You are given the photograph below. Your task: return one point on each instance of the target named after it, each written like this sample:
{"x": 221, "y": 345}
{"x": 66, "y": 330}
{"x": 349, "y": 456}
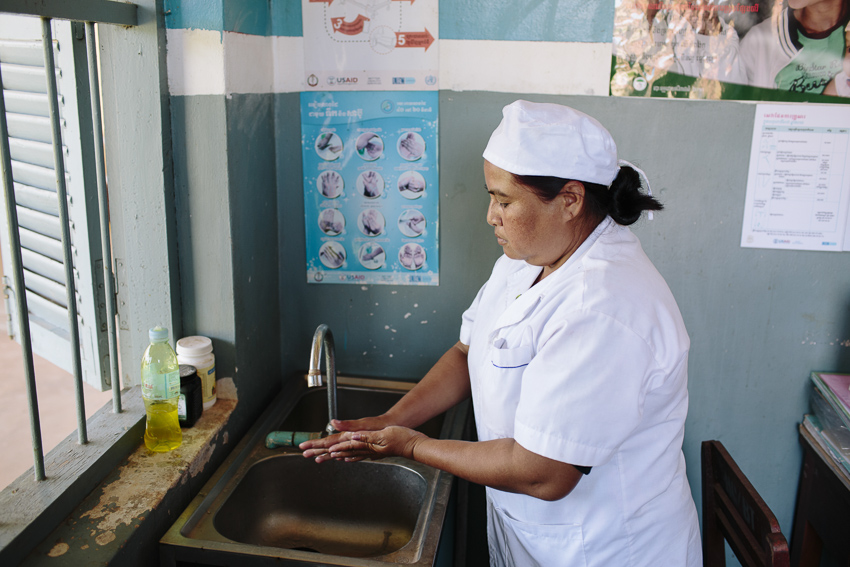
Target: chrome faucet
{"x": 323, "y": 338}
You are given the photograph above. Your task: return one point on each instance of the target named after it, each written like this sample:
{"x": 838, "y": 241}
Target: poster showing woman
{"x": 792, "y": 50}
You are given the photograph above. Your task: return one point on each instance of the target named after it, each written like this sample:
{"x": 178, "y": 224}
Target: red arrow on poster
{"x": 414, "y": 39}
{"x": 329, "y": 2}
{"x": 349, "y": 28}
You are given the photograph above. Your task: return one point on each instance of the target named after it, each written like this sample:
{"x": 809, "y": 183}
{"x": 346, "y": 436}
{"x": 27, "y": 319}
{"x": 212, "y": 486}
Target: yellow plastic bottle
{"x": 160, "y": 391}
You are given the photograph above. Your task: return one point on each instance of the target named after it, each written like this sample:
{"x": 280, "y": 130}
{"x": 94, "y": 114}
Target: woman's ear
{"x": 572, "y": 198}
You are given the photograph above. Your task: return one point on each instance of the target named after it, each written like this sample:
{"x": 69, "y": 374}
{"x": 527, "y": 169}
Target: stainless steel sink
{"x": 361, "y": 509}
{"x": 274, "y": 505}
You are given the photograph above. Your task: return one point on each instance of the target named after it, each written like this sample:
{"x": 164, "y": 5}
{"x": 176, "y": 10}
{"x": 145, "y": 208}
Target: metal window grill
{"x": 88, "y": 12}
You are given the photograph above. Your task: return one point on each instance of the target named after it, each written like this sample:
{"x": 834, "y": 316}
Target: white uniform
{"x": 588, "y": 367}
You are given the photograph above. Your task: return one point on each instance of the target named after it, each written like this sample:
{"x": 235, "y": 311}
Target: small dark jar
{"x": 190, "y": 403}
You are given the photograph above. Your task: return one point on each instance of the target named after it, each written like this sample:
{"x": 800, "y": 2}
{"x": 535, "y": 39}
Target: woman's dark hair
{"x": 623, "y": 200}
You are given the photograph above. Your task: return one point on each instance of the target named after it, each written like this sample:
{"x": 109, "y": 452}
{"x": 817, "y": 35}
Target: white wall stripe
{"x": 210, "y": 62}
{"x": 195, "y": 62}
{"x": 525, "y": 66}
{"x": 288, "y": 64}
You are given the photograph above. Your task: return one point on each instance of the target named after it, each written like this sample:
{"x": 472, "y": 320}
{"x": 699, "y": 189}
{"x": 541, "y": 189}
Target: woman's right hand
{"x": 318, "y": 448}
{"x": 445, "y": 385}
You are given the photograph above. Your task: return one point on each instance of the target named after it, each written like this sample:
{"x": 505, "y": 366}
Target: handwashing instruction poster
{"x": 371, "y": 195}
{"x": 373, "y": 45}
{"x": 798, "y": 187}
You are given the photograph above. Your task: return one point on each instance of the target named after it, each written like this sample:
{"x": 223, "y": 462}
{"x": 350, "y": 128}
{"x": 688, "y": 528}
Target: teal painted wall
{"x": 255, "y": 250}
{"x": 256, "y": 17}
{"x": 199, "y": 133}
{"x": 194, "y": 14}
{"x": 286, "y": 18}
{"x": 546, "y": 20}
{"x": 226, "y": 203}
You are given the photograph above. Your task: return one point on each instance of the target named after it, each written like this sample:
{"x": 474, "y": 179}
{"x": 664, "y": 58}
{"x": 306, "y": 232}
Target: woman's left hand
{"x": 352, "y": 446}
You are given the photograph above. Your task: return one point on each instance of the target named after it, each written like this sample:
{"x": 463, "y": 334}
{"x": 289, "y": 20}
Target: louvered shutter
{"x": 30, "y": 142}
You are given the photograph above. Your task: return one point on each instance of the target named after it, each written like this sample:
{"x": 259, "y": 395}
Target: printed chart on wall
{"x": 370, "y": 44}
{"x": 371, "y": 194}
{"x": 798, "y": 187}
{"x": 732, "y": 49}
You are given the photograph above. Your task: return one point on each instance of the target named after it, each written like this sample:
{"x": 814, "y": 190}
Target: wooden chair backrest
{"x": 734, "y": 511}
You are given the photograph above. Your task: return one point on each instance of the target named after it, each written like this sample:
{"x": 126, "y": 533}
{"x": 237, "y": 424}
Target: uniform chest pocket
{"x": 510, "y": 358}
{"x": 501, "y": 384}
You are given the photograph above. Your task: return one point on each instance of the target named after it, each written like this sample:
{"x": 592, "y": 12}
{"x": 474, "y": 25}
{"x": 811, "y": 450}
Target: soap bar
{"x": 277, "y": 439}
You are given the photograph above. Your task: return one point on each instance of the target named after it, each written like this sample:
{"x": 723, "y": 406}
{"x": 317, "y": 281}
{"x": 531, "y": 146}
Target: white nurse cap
{"x": 552, "y": 140}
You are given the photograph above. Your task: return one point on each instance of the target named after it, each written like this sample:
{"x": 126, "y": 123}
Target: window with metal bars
{"x": 56, "y": 230}
{"x": 42, "y": 151}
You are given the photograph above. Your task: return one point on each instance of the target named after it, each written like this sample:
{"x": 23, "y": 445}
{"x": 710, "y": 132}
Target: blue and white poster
{"x": 371, "y": 194}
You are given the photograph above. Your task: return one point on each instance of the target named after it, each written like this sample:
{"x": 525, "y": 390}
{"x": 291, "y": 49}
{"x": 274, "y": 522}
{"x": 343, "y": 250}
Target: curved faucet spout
{"x": 323, "y": 339}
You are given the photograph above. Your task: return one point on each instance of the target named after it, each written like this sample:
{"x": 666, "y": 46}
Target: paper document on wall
{"x": 798, "y": 186}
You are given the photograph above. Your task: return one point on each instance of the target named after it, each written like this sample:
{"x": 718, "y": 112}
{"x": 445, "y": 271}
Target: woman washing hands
{"x": 575, "y": 355}
{"x": 391, "y": 441}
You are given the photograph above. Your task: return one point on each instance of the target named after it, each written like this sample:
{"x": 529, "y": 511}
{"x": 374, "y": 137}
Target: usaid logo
{"x": 342, "y": 80}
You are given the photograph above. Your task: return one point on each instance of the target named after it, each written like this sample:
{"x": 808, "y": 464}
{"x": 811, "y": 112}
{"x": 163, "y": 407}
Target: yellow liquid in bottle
{"x": 162, "y": 429}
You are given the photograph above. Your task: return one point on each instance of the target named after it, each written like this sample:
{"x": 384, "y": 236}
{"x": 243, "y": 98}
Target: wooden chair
{"x": 734, "y": 511}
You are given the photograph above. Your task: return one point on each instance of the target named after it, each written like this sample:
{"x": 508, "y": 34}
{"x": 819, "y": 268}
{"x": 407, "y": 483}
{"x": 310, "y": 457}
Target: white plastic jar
{"x": 197, "y": 351}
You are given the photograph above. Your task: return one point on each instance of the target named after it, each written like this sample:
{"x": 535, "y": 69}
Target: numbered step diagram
{"x": 371, "y": 45}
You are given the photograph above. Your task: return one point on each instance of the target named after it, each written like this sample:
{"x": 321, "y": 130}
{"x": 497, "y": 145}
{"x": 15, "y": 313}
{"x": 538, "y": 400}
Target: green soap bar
{"x": 277, "y": 439}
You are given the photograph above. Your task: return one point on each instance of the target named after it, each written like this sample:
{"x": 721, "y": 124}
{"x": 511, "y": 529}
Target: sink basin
{"x": 311, "y": 411}
{"x": 360, "y": 509}
{"x": 274, "y": 505}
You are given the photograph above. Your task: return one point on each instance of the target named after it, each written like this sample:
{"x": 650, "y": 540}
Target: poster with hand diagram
{"x": 371, "y": 194}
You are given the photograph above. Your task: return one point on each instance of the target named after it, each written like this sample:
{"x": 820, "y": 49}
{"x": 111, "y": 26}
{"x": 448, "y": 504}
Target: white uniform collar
{"x": 521, "y": 297}
{"x": 585, "y": 246}
{"x": 571, "y": 261}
